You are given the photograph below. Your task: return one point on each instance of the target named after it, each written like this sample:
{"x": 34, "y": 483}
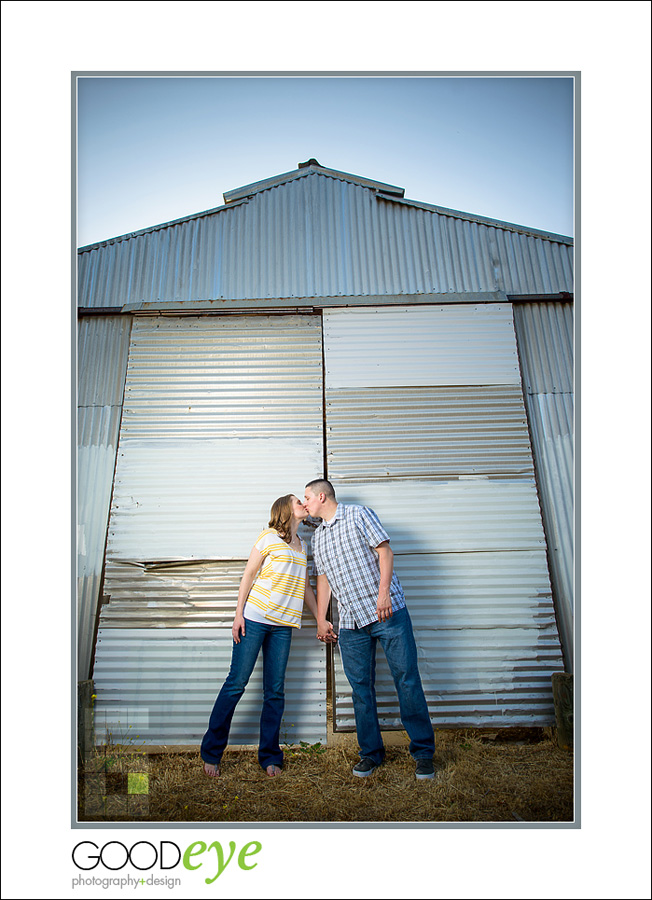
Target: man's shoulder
{"x": 364, "y": 519}
{"x": 357, "y": 509}
{"x": 347, "y": 511}
{"x": 354, "y": 509}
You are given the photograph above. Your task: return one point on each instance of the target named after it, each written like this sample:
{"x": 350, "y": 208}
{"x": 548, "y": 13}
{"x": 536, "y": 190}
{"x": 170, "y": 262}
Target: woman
{"x": 272, "y": 591}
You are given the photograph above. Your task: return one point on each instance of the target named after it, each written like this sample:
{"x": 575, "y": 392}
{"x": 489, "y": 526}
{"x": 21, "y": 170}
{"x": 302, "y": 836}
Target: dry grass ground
{"x": 506, "y": 776}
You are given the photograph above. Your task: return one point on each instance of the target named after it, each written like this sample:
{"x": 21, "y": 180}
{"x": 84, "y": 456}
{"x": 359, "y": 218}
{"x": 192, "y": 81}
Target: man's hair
{"x": 322, "y": 486}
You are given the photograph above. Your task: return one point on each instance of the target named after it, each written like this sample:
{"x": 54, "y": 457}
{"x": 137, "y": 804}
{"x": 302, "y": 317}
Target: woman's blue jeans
{"x": 358, "y": 651}
{"x": 275, "y": 643}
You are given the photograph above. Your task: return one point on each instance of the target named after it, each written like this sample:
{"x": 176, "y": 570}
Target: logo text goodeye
{"x": 143, "y": 855}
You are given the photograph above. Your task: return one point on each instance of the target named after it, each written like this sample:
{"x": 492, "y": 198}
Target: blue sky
{"x": 152, "y": 149}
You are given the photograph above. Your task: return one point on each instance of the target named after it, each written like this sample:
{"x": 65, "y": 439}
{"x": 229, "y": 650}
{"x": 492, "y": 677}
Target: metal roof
{"x": 318, "y": 233}
{"x": 384, "y": 191}
{"x": 250, "y": 189}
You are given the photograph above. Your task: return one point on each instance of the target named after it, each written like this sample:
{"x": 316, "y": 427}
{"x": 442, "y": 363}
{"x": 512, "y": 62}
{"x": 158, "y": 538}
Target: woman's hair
{"x": 280, "y": 516}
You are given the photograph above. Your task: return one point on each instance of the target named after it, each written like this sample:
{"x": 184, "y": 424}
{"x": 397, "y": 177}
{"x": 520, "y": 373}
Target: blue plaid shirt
{"x": 343, "y": 551}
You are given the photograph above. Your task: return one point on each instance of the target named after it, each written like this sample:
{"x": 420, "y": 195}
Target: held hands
{"x": 238, "y": 626}
{"x": 384, "y": 605}
{"x": 325, "y": 632}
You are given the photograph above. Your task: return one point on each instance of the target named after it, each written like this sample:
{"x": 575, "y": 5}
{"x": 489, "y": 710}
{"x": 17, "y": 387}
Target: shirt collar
{"x": 339, "y": 510}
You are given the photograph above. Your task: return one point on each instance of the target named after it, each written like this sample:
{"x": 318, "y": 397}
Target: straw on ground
{"x": 480, "y": 777}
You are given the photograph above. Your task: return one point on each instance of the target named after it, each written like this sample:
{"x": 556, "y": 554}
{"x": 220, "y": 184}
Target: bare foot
{"x": 212, "y": 769}
{"x": 273, "y": 771}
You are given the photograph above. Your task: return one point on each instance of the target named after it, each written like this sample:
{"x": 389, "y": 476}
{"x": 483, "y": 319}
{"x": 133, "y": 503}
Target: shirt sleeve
{"x": 265, "y": 541}
{"x": 369, "y": 526}
{"x": 316, "y": 557}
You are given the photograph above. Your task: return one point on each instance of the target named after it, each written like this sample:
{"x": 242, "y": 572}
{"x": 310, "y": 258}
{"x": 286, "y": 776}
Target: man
{"x": 353, "y": 559}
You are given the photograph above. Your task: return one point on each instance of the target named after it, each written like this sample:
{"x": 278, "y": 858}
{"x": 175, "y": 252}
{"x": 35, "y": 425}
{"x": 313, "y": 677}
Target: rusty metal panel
{"x": 176, "y": 593}
{"x": 410, "y": 432}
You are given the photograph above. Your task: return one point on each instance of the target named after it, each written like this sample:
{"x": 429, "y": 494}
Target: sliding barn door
{"x": 221, "y": 416}
{"x": 425, "y": 423}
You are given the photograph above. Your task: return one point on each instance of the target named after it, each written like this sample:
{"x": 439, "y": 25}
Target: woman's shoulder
{"x": 270, "y": 537}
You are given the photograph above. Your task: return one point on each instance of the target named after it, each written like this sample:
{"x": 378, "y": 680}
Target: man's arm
{"x": 386, "y": 562}
{"x": 311, "y": 602}
{"x": 324, "y": 629}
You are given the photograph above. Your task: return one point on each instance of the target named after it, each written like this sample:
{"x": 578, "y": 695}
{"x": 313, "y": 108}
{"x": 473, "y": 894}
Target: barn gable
{"x": 317, "y": 233}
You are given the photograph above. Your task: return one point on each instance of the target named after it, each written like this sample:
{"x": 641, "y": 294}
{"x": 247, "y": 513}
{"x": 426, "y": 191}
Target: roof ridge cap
{"x": 256, "y": 187}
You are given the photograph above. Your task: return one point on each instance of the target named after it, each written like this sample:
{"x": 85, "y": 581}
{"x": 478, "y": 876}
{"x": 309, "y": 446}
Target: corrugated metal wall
{"x": 160, "y": 691}
{"x": 425, "y": 422}
{"x": 221, "y": 416}
{"x": 466, "y": 430}
{"x": 103, "y": 345}
{"x": 319, "y": 236}
{"x": 545, "y": 336}
{"x": 421, "y": 346}
{"x": 466, "y": 529}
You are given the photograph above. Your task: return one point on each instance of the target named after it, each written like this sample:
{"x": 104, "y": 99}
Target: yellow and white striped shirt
{"x": 277, "y": 593}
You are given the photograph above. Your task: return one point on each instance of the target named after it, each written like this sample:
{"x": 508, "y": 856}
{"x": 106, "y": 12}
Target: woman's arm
{"x": 324, "y": 628}
{"x": 251, "y": 570}
{"x": 309, "y": 597}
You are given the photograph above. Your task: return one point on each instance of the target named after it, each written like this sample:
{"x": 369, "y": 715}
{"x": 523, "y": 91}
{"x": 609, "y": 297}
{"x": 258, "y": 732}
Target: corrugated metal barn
{"x": 320, "y": 323}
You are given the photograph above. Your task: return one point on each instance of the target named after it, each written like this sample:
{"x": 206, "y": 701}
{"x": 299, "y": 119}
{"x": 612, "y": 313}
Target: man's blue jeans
{"x": 275, "y": 643}
{"x": 358, "y": 651}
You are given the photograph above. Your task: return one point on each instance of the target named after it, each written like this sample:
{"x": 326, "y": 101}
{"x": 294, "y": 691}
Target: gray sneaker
{"x": 425, "y": 769}
{"x": 365, "y": 767}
